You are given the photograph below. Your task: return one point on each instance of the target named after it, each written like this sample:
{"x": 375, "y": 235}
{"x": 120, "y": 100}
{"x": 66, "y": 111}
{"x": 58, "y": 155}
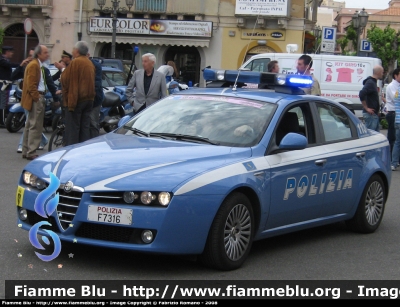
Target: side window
{"x": 297, "y": 120}
{"x": 104, "y": 82}
{"x": 260, "y": 65}
{"x": 335, "y": 123}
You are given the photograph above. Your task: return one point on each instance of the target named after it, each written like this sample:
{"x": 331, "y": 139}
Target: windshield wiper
{"x": 137, "y": 131}
{"x": 183, "y": 137}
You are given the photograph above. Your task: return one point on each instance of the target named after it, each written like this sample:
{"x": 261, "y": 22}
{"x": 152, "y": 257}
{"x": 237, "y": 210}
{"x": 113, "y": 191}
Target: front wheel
{"x": 231, "y": 234}
{"x": 15, "y": 121}
{"x": 57, "y": 138}
{"x": 370, "y": 209}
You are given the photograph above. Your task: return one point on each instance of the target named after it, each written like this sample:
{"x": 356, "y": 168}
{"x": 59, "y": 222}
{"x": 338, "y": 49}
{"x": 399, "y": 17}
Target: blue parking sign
{"x": 365, "y": 46}
{"x": 329, "y": 33}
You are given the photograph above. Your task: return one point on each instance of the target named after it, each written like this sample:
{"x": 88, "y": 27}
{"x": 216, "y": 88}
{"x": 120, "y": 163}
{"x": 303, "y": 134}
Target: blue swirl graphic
{"x": 46, "y": 196}
{"x": 45, "y": 204}
{"x": 33, "y": 237}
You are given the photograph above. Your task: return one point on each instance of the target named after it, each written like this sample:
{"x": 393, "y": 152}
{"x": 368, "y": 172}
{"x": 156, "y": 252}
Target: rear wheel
{"x": 57, "y": 138}
{"x": 371, "y": 207}
{"x": 231, "y": 234}
{"x": 15, "y": 121}
{"x": 56, "y": 121}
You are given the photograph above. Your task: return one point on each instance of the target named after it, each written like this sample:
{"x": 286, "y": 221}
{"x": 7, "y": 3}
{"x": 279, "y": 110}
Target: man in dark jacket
{"x": 98, "y": 100}
{"x": 5, "y": 80}
{"x": 369, "y": 97}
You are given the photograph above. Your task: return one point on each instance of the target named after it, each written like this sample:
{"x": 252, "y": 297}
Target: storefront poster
{"x": 344, "y": 72}
{"x": 152, "y": 27}
{"x": 262, "y": 7}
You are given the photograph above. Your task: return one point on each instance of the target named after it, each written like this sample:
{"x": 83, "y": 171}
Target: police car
{"x": 209, "y": 171}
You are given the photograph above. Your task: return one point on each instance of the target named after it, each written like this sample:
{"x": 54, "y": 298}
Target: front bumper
{"x": 181, "y": 228}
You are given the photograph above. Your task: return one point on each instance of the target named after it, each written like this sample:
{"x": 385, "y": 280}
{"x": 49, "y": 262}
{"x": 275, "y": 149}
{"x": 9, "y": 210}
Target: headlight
{"x": 164, "y": 198}
{"x": 40, "y": 184}
{"x": 27, "y": 177}
{"x": 147, "y": 198}
{"x": 129, "y": 197}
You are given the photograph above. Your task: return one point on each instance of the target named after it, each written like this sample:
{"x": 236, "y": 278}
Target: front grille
{"x": 34, "y": 218}
{"x": 67, "y": 207}
{"x": 106, "y": 232}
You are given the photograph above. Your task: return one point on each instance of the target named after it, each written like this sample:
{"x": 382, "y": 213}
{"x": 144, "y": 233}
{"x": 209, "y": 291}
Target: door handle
{"x": 360, "y": 154}
{"x": 259, "y": 174}
{"x": 320, "y": 162}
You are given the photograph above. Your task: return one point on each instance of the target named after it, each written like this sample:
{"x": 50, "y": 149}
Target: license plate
{"x": 20, "y": 196}
{"x": 110, "y": 215}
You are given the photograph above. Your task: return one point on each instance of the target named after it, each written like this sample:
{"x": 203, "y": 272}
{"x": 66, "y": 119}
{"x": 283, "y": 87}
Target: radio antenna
{"x": 247, "y": 49}
{"x": 312, "y": 57}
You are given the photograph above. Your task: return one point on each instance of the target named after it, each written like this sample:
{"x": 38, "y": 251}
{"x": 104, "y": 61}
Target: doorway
{"x": 14, "y": 35}
{"x": 187, "y": 61}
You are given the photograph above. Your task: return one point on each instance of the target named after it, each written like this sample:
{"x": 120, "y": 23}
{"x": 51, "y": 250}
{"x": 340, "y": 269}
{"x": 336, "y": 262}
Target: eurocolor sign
{"x": 262, "y": 7}
{"x": 152, "y": 27}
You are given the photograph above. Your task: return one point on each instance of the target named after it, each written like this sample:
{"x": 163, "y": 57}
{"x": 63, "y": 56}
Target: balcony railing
{"x": 151, "y": 6}
{"x": 37, "y": 3}
{"x": 173, "y": 7}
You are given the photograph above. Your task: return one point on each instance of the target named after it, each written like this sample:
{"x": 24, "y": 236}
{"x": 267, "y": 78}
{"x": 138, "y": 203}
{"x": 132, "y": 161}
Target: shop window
{"x": 189, "y": 17}
{"x": 187, "y": 60}
{"x": 172, "y": 17}
{"x": 151, "y": 5}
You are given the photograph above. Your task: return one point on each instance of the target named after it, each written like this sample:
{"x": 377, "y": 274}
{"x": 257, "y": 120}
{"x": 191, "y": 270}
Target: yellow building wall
{"x": 234, "y": 49}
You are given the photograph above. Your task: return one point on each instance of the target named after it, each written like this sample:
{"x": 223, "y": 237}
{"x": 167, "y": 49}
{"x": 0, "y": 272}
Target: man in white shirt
{"x": 390, "y": 107}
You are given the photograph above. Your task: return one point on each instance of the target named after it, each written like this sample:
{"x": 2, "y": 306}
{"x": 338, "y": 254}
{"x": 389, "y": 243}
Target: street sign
{"x": 28, "y": 26}
{"x": 365, "y": 46}
{"x": 328, "y": 40}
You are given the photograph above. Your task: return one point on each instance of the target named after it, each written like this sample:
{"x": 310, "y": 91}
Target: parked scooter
{"x": 16, "y": 114}
{"x": 113, "y": 108}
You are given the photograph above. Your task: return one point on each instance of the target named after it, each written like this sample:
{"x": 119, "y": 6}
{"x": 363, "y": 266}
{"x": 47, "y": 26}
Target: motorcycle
{"x": 16, "y": 114}
{"x": 114, "y": 107}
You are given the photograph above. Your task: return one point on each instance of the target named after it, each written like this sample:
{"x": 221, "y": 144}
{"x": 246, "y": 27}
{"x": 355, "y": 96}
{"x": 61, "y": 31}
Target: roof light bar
{"x": 258, "y": 78}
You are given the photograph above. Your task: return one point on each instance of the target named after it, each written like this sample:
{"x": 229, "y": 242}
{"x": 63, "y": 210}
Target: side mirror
{"x": 293, "y": 141}
{"x": 123, "y": 121}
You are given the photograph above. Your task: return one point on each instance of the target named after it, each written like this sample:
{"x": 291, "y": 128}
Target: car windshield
{"x": 225, "y": 121}
{"x": 115, "y": 77}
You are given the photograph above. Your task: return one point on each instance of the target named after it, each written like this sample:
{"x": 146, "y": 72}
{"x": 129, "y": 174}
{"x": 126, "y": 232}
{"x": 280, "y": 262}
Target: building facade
{"x": 52, "y": 20}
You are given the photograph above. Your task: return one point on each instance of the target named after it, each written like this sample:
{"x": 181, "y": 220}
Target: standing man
{"x": 98, "y": 100}
{"x": 396, "y": 146}
{"x": 369, "y": 97}
{"x": 78, "y": 92}
{"x": 33, "y": 101}
{"x": 304, "y": 64}
{"x": 391, "y": 90}
{"x": 5, "y": 80}
{"x": 17, "y": 74}
{"x": 66, "y": 59}
{"x": 149, "y": 85}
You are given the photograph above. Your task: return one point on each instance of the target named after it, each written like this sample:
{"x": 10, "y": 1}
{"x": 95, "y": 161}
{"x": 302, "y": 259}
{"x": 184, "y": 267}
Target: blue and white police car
{"x": 208, "y": 171}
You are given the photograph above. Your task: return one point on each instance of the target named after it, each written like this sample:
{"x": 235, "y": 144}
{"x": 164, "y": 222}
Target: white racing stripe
{"x": 101, "y": 185}
{"x": 284, "y": 159}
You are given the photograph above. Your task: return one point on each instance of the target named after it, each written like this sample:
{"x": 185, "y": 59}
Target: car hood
{"x": 125, "y": 163}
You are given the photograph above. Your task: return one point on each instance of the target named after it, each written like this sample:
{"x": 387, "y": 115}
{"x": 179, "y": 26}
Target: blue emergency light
{"x": 269, "y": 79}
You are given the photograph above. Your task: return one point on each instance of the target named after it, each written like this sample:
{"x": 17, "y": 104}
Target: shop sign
{"x": 262, "y": 7}
{"x": 263, "y": 34}
{"x": 152, "y": 27}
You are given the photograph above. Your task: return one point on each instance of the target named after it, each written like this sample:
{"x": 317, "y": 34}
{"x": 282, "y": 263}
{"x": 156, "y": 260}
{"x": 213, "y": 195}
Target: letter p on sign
{"x": 328, "y": 33}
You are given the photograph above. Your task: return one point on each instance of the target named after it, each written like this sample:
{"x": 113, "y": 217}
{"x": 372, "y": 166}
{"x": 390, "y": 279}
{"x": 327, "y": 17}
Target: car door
{"x": 296, "y": 176}
{"x": 344, "y": 162}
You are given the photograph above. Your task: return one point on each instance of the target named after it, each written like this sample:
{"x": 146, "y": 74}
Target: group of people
{"x": 304, "y": 65}
{"x": 81, "y": 98}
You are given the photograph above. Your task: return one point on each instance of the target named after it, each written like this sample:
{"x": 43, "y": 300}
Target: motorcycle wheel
{"x": 56, "y": 121}
{"x": 57, "y": 138}
{"x": 14, "y": 122}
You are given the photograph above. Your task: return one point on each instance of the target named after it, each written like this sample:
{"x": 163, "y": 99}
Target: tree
{"x": 386, "y": 44}
{"x": 343, "y": 42}
{"x": 352, "y": 36}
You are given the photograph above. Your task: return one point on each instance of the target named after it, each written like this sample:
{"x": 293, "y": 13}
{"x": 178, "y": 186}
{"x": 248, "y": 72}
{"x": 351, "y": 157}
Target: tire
{"x": 14, "y": 122}
{"x": 231, "y": 234}
{"x": 56, "y": 139}
{"x": 56, "y": 121}
{"x": 371, "y": 207}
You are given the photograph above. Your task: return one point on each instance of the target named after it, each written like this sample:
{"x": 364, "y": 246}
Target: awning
{"x": 145, "y": 40}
